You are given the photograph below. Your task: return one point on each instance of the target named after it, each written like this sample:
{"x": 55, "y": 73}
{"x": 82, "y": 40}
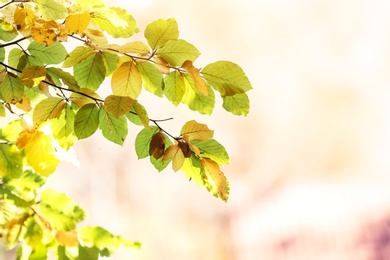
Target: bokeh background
{"x": 310, "y": 164}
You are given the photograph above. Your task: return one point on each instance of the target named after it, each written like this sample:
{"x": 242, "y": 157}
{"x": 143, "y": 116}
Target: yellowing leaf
{"x": 152, "y": 78}
{"x": 24, "y": 18}
{"x": 47, "y": 109}
{"x": 118, "y": 105}
{"x": 11, "y": 88}
{"x": 33, "y": 75}
{"x": 83, "y": 97}
{"x": 77, "y": 22}
{"x": 136, "y": 47}
{"x": 97, "y": 38}
{"x": 127, "y": 81}
{"x": 226, "y": 77}
{"x": 51, "y": 9}
{"x": 216, "y": 181}
{"x": 116, "y": 21}
{"x": 157, "y": 145}
{"x": 78, "y": 54}
{"x": 142, "y": 114}
{"x": 40, "y": 154}
{"x": 196, "y": 131}
{"x": 237, "y": 104}
{"x": 175, "y": 87}
{"x": 160, "y": 32}
{"x": 200, "y": 84}
{"x": 177, "y": 156}
{"x": 91, "y": 3}
{"x": 177, "y": 52}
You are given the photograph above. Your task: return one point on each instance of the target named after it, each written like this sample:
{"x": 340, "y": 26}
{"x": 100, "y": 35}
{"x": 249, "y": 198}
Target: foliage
{"x": 50, "y": 95}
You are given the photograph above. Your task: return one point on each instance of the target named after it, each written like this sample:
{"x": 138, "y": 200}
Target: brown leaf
{"x": 157, "y": 145}
{"x": 184, "y": 147}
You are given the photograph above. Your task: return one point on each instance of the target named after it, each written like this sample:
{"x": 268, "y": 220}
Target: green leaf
{"x": 113, "y": 129}
{"x": 11, "y": 88}
{"x": 142, "y": 114}
{"x": 60, "y": 210}
{"x": 2, "y": 54}
{"x": 86, "y": 121}
{"x": 226, "y": 77}
{"x": 115, "y": 21}
{"x": 11, "y": 163}
{"x": 175, "y": 87}
{"x": 159, "y": 32}
{"x": 237, "y": 104}
{"x": 34, "y": 233}
{"x": 7, "y": 31}
{"x": 110, "y": 62}
{"x": 118, "y": 105}
{"x": 26, "y": 186}
{"x": 51, "y": 9}
{"x": 197, "y": 101}
{"x": 214, "y": 150}
{"x": 90, "y": 253}
{"x": 11, "y": 131}
{"x": 91, "y": 72}
{"x": 47, "y": 109}
{"x": 126, "y": 80}
{"x": 2, "y": 111}
{"x": 14, "y": 58}
{"x": 57, "y": 74}
{"x": 78, "y": 54}
{"x": 177, "y": 52}
{"x": 142, "y": 141}
{"x": 152, "y": 78}
{"x": 98, "y": 237}
{"x": 63, "y": 128}
{"x": 53, "y": 54}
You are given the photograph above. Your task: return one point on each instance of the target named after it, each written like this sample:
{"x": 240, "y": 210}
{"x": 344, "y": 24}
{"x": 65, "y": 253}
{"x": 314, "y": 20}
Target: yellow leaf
{"x": 177, "y": 156}
{"x": 200, "y": 84}
{"x": 196, "y": 131}
{"x": 118, "y": 105}
{"x": 23, "y": 138}
{"x": 24, "y": 18}
{"x": 44, "y": 31}
{"x": 127, "y": 81}
{"x": 77, "y": 22}
{"x": 157, "y": 145}
{"x": 40, "y": 153}
{"x": 33, "y": 75}
{"x": 48, "y": 108}
{"x": 217, "y": 181}
{"x": 67, "y": 238}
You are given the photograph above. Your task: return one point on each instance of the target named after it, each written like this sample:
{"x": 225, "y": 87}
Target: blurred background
{"x": 310, "y": 164}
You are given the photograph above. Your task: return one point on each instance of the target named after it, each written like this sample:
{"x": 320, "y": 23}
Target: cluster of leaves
{"x": 52, "y": 92}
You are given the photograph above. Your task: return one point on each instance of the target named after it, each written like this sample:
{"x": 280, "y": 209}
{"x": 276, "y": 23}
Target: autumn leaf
{"x": 47, "y": 109}
{"x": 185, "y": 148}
{"x": 157, "y": 145}
{"x": 118, "y": 105}
{"x": 216, "y": 180}
{"x": 33, "y": 75}
{"x": 176, "y": 154}
{"x": 200, "y": 84}
{"x": 196, "y": 131}
{"x": 127, "y": 81}
{"x": 77, "y": 22}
